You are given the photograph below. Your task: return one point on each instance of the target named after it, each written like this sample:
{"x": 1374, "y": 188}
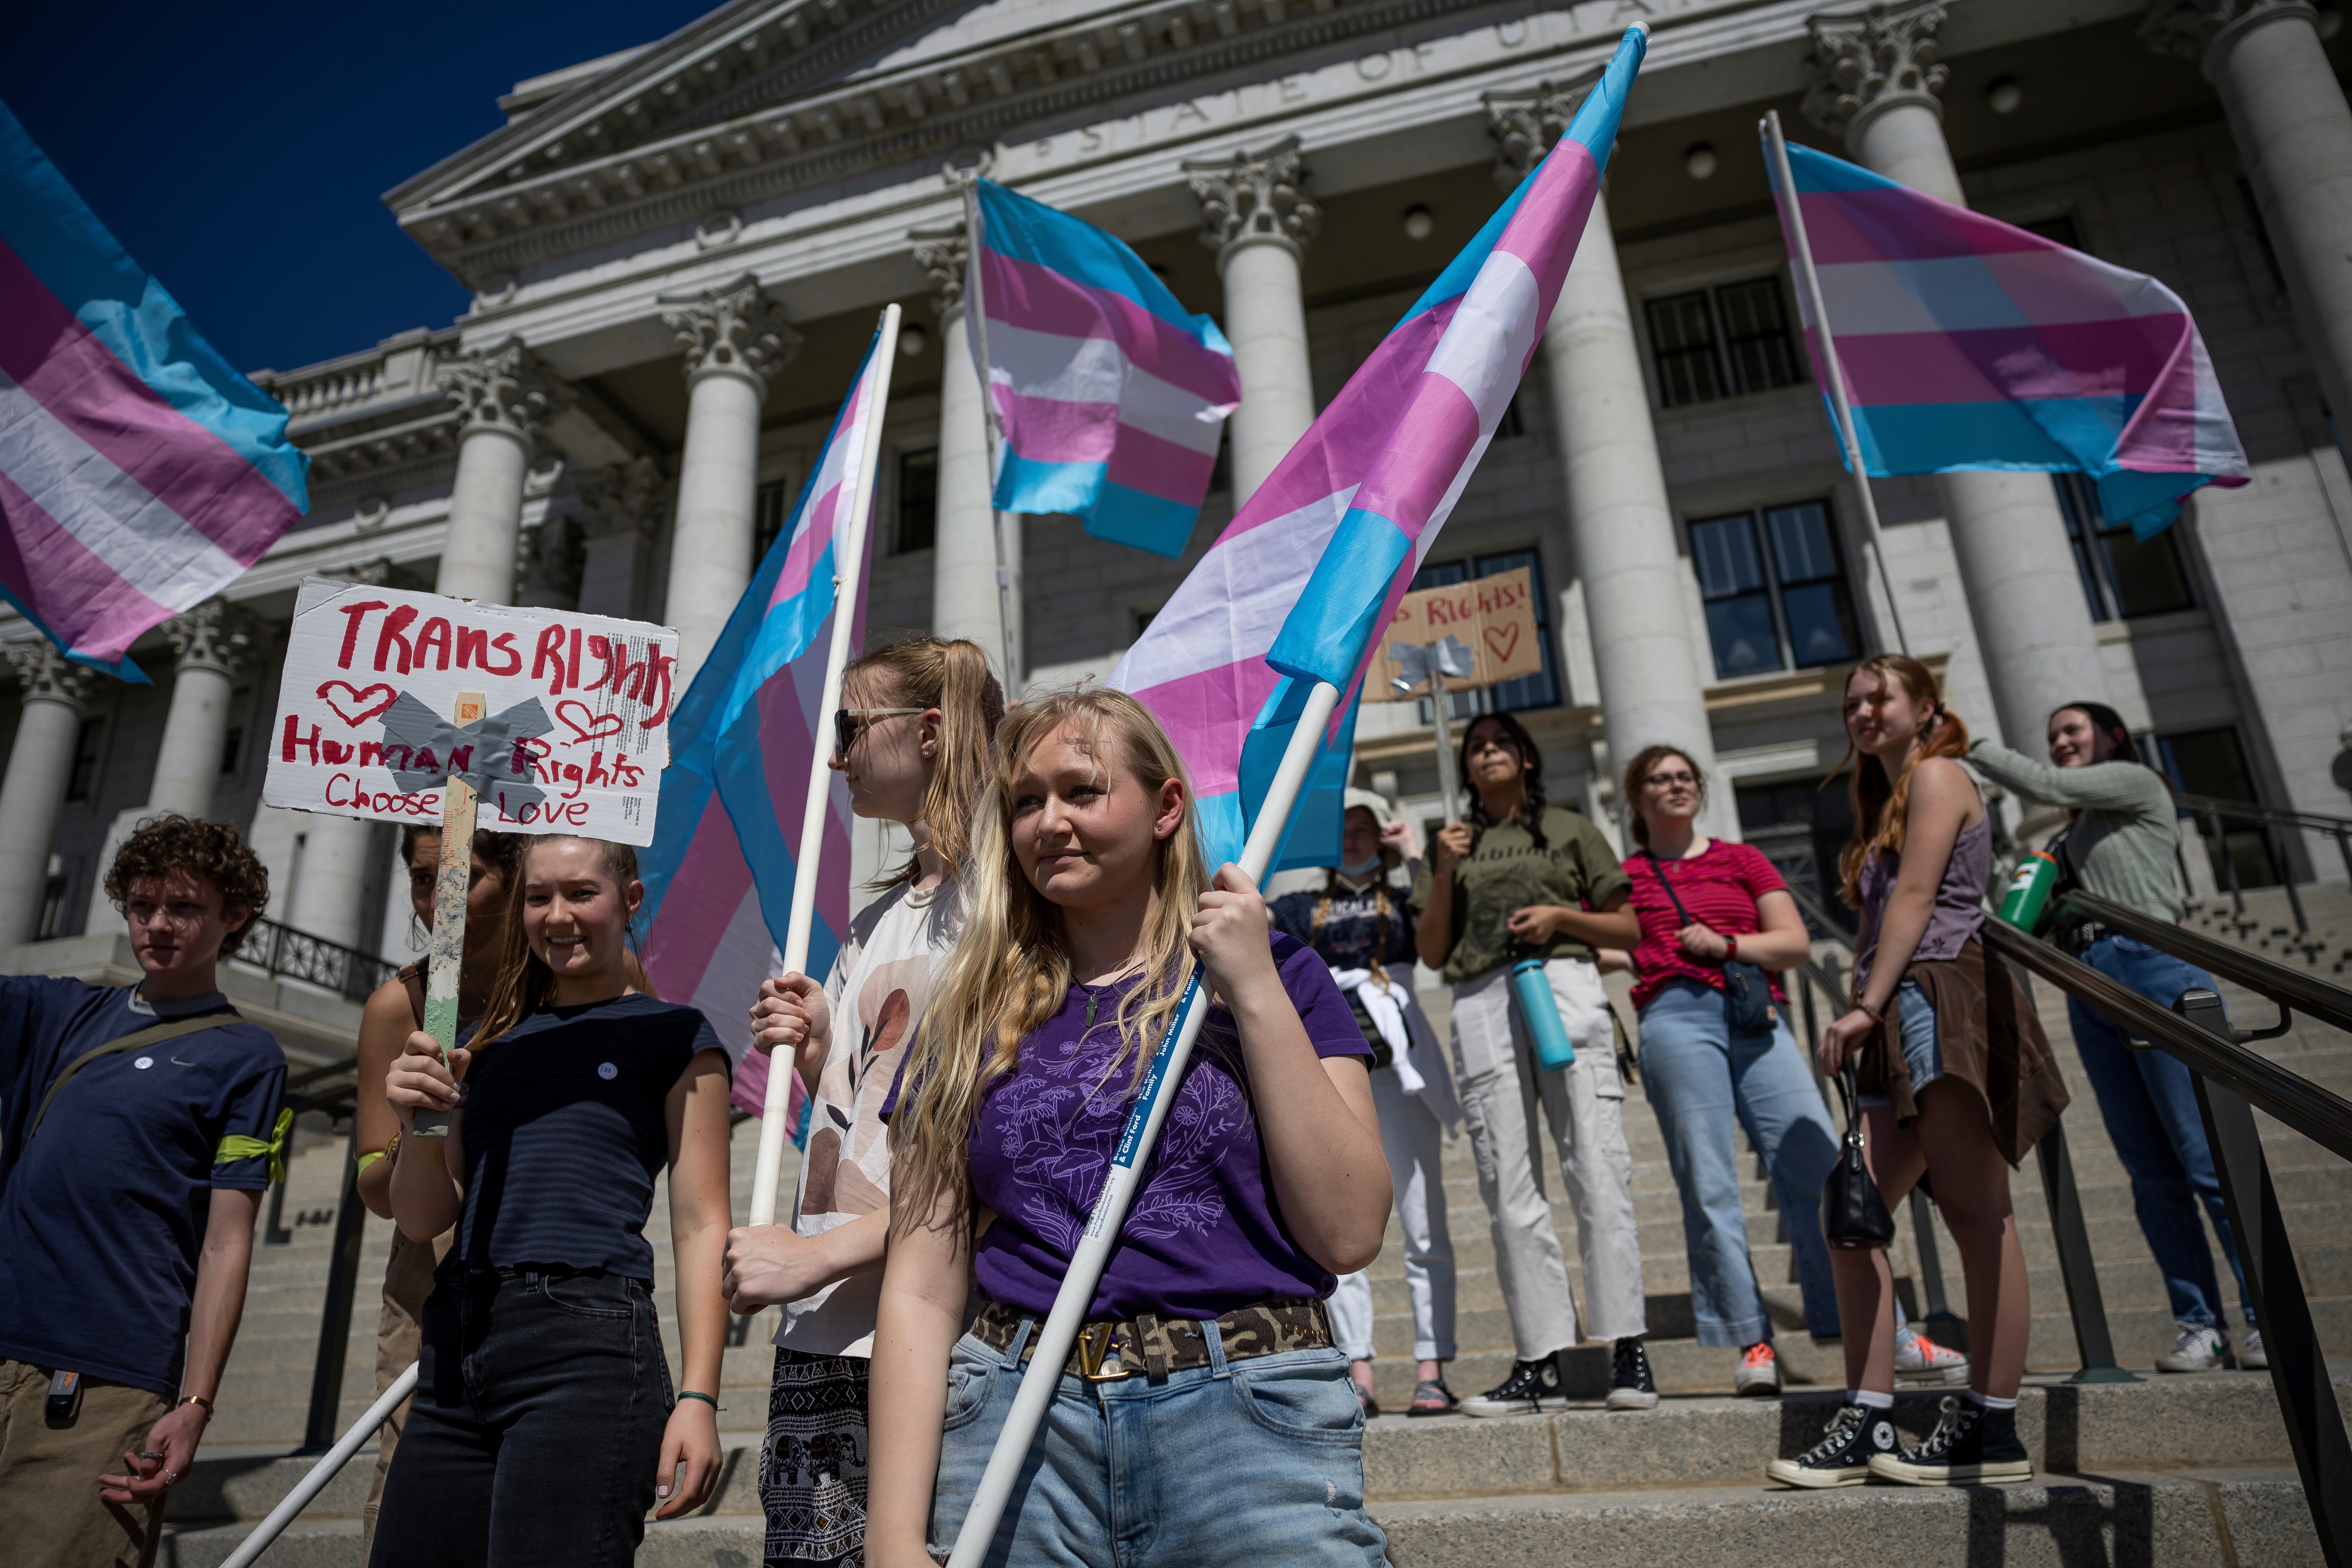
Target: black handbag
{"x": 1853, "y": 1214}
{"x": 1747, "y": 995}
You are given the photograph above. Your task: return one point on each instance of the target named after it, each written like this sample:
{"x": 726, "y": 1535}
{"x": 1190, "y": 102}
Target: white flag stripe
{"x": 1094, "y": 370}
{"x": 1485, "y": 346}
{"x": 1978, "y": 293}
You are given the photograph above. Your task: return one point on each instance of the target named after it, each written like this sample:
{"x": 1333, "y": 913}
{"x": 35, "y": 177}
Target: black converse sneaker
{"x": 1845, "y": 1457}
{"x": 1533, "y": 1387}
{"x": 1631, "y": 1386}
{"x": 1971, "y": 1446}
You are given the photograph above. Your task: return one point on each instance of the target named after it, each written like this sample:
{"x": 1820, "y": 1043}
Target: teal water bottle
{"x": 1553, "y": 1049}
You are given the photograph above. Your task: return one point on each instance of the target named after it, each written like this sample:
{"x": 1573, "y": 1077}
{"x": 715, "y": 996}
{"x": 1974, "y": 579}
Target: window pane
{"x": 1820, "y": 630}
{"x": 82, "y": 782}
{"x": 1802, "y": 548}
{"x": 1442, "y": 575}
{"x": 1683, "y": 334}
{"x": 2077, "y": 504}
{"x": 918, "y": 499}
{"x": 2059, "y": 228}
{"x": 2148, "y": 577}
{"x": 2212, "y": 763}
{"x": 769, "y": 502}
{"x": 1755, "y": 336}
{"x": 1741, "y": 631}
{"x": 1723, "y": 553}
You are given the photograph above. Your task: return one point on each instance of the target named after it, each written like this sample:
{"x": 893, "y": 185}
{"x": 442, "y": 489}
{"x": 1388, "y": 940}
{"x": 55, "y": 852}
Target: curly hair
{"x": 1531, "y": 807}
{"x": 213, "y": 853}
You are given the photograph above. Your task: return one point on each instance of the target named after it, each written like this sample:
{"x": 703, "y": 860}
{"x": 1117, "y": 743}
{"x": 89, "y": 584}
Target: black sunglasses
{"x": 849, "y": 723}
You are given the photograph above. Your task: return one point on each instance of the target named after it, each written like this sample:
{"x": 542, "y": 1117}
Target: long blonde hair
{"x": 952, "y": 677}
{"x": 1879, "y": 804}
{"x": 1010, "y": 970}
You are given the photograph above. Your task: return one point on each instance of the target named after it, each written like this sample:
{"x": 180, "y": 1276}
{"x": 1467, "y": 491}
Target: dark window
{"x": 2059, "y": 228}
{"x": 2212, "y": 763}
{"x": 1715, "y": 342}
{"x": 240, "y": 716}
{"x": 1143, "y": 620}
{"x": 1775, "y": 590}
{"x": 918, "y": 499}
{"x": 1513, "y": 423}
{"x": 770, "y": 506}
{"x": 2122, "y": 577}
{"x": 1801, "y": 828}
{"x": 53, "y": 909}
{"x": 1221, "y": 476}
{"x": 90, "y": 750}
{"x": 1541, "y": 690}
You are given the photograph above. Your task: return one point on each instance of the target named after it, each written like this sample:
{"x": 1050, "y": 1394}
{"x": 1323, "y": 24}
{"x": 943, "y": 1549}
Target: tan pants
{"x": 50, "y": 1505}
{"x": 407, "y": 1280}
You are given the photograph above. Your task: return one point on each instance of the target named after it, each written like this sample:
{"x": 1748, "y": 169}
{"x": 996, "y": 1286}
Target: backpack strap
{"x": 1658, "y": 869}
{"x": 154, "y": 1034}
{"x": 412, "y": 980}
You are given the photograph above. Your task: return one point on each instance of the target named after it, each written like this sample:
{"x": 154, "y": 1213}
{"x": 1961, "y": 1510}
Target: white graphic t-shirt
{"x": 880, "y": 984}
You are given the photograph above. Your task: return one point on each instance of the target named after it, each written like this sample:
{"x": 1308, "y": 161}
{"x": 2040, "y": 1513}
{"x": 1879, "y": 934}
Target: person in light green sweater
{"x": 2120, "y": 845}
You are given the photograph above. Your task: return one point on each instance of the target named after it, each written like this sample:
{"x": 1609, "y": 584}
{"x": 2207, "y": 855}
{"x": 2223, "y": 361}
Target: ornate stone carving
{"x": 548, "y": 559}
{"x": 502, "y": 388}
{"x": 2188, "y": 26}
{"x": 1526, "y": 122}
{"x": 1255, "y": 197}
{"x": 628, "y": 498}
{"x": 734, "y": 328}
{"x": 1863, "y": 61}
{"x": 940, "y": 252}
{"x": 215, "y": 635}
{"x": 44, "y": 675}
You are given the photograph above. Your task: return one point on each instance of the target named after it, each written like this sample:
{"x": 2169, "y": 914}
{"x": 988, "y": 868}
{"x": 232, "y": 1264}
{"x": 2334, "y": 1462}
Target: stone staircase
{"x": 2170, "y": 1469}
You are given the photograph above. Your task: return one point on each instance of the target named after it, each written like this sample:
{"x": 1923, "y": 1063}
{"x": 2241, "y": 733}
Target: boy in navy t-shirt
{"x": 129, "y": 1186}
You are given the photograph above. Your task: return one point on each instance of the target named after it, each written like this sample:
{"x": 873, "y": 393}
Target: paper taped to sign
{"x": 575, "y": 726}
{"x": 1495, "y": 616}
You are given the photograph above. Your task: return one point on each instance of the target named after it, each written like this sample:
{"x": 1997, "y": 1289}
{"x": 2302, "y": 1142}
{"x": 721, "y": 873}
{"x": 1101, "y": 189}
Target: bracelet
{"x": 197, "y": 1399}
{"x": 1874, "y": 1014}
{"x": 1730, "y": 949}
{"x": 689, "y": 1394}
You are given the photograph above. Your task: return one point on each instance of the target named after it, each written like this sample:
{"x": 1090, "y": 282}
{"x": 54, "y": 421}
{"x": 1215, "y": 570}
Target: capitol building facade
{"x": 678, "y": 255}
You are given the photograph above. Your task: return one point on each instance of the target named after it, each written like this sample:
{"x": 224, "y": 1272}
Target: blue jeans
{"x": 1255, "y": 1461}
{"x": 2149, "y": 1102}
{"x": 1699, "y": 1075}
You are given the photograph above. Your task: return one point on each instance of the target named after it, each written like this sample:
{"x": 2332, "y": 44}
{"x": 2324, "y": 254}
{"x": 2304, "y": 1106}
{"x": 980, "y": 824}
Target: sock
{"x": 1871, "y": 1400}
{"x": 1987, "y": 1402}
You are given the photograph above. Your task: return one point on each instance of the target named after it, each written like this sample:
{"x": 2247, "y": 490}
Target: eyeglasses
{"x": 1667, "y": 781}
{"x": 849, "y": 723}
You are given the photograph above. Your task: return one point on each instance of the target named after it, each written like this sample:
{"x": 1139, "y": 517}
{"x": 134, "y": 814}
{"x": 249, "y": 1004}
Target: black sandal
{"x": 1425, "y": 1389}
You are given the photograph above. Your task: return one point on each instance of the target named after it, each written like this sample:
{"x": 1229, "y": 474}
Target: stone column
{"x": 208, "y": 645}
{"x": 735, "y": 338}
{"x": 1258, "y": 220}
{"x": 502, "y": 394}
{"x": 964, "y": 602}
{"x": 2293, "y": 129}
{"x": 621, "y": 508}
{"x": 1648, "y": 658}
{"x": 1876, "y": 78}
{"x": 548, "y": 562}
{"x": 33, "y": 791}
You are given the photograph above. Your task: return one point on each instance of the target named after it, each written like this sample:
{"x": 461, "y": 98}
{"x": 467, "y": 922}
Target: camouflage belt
{"x": 1153, "y": 1346}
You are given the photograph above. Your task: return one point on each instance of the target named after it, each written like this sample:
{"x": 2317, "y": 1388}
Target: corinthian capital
{"x": 1255, "y": 197}
{"x": 734, "y": 330}
{"x": 626, "y": 497}
{"x": 943, "y": 254}
{"x": 44, "y": 675}
{"x": 2190, "y": 26}
{"x": 1526, "y": 121}
{"x": 215, "y": 635}
{"x": 1865, "y": 61}
{"x": 503, "y": 388}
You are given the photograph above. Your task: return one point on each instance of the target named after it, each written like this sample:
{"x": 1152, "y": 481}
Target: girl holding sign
{"x": 543, "y": 1424}
{"x": 913, "y": 742}
{"x": 1089, "y": 907}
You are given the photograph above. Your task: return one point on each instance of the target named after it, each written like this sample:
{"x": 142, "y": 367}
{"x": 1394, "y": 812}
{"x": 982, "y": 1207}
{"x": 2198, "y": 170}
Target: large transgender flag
{"x": 1110, "y": 396}
{"x": 719, "y": 876}
{"x": 1968, "y": 343}
{"x": 1294, "y": 589}
{"x": 139, "y": 471}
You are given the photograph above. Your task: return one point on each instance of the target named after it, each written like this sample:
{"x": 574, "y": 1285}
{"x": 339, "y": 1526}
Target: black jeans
{"x": 540, "y": 1401}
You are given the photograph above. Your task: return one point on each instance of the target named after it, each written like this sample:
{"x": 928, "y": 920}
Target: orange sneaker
{"x": 1760, "y": 1372}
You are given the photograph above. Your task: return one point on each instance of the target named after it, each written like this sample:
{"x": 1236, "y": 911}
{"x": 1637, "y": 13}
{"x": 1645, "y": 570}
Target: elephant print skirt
{"x": 813, "y": 1466}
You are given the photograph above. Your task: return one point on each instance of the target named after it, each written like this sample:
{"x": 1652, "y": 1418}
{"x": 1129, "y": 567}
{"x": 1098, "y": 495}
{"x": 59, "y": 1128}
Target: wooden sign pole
{"x": 445, "y": 953}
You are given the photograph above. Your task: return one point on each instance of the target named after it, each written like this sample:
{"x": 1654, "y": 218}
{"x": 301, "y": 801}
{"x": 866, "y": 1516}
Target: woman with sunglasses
{"x": 913, "y": 742}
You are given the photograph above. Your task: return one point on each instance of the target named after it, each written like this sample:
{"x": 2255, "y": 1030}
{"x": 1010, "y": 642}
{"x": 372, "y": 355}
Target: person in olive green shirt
{"x": 1521, "y": 878}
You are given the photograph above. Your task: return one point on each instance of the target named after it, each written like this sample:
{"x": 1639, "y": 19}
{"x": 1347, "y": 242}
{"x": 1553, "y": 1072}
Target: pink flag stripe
{"x": 1424, "y": 455}
{"x": 1142, "y": 461}
{"x": 1883, "y": 225}
{"x": 1967, "y": 293}
{"x": 1544, "y": 232}
{"x": 2102, "y": 359}
{"x": 87, "y": 600}
{"x": 1028, "y": 296}
{"x": 715, "y": 875}
{"x": 62, "y": 364}
{"x": 1051, "y": 430}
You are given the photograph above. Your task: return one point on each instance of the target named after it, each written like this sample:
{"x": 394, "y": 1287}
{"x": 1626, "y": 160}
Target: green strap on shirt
{"x": 238, "y": 1146}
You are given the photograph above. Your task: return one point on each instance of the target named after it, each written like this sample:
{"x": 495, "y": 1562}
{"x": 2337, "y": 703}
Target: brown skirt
{"x": 1990, "y": 1039}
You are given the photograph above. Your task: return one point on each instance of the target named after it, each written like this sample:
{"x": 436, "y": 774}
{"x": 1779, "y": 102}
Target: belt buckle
{"x": 1096, "y": 1342}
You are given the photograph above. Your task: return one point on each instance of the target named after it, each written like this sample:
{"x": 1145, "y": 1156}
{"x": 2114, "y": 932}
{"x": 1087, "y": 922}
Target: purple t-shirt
{"x": 1203, "y": 1237}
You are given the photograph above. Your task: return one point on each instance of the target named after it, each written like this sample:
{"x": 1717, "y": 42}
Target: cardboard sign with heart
{"x": 1495, "y": 616}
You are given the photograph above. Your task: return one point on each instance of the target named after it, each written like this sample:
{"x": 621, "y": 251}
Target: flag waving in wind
{"x": 1968, "y": 343}
{"x": 1110, "y": 395}
{"x": 1296, "y": 587}
{"x": 718, "y": 878}
{"x": 139, "y": 471}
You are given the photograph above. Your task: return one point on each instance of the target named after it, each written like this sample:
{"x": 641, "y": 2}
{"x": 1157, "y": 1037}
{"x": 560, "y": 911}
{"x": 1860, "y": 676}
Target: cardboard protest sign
{"x": 1495, "y": 616}
{"x": 574, "y": 726}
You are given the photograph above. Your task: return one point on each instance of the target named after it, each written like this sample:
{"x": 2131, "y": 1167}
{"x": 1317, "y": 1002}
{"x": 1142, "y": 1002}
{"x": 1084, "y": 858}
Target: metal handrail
{"x": 2307, "y": 993}
{"x": 2276, "y": 816}
{"x": 278, "y": 950}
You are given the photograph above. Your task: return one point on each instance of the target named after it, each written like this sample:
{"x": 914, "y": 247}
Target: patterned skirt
{"x": 813, "y": 1466}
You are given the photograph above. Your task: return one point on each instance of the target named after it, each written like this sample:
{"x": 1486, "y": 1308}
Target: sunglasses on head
{"x": 849, "y": 723}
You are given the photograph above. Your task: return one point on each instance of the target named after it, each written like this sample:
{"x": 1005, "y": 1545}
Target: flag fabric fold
{"x": 719, "y": 876}
{"x": 1111, "y": 396}
{"x": 139, "y": 471}
{"x": 1967, "y": 342}
{"x": 1294, "y": 589}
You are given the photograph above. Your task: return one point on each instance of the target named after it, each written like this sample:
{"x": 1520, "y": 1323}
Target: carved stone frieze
{"x": 942, "y": 254}
{"x": 1864, "y": 61}
{"x": 44, "y": 675}
{"x": 215, "y": 635}
{"x": 1527, "y": 121}
{"x": 734, "y": 328}
{"x": 2188, "y": 26}
{"x": 1255, "y": 197}
{"x": 502, "y": 388}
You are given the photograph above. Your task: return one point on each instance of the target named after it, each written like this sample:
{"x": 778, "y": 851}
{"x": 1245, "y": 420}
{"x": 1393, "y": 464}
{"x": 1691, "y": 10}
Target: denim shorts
{"x": 1916, "y": 1018}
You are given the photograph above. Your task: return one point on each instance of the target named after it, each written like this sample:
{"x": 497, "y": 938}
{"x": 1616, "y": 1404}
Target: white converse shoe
{"x": 1920, "y": 1358}
{"x": 2252, "y": 1357}
{"x": 2199, "y": 1348}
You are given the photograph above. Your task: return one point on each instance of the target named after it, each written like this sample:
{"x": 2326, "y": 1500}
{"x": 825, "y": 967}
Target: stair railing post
{"x": 335, "y": 1320}
{"x": 2281, "y": 850}
{"x": 1946, "y": 1326}
{"x": 2076, "y": 1267}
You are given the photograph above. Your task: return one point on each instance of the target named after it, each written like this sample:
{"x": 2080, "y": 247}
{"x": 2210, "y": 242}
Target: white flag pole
{"x": 977, "y": 318}
{"x": 1833, "y": 372}
{"x": 848, "y": 581}
{"x": 325, "y": 1470}
{"x": 1060, "y": 1331}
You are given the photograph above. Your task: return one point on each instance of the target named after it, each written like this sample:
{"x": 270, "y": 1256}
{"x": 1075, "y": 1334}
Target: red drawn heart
{"x": 366, "y": 701}
{"x": 1503, "y": 641}
{"x": 598, "y": 725}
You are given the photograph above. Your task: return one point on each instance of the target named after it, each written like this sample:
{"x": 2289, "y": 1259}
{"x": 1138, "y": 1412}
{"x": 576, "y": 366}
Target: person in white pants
{"x": 1521, "y": 879}
{"x": 1361, "y": 924}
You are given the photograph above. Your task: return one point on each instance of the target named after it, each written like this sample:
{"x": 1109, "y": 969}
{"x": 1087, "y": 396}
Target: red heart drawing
{"x": 598, "y": 725}
{"x": 1502, "y": 642}
{"x": 368, "y": 703}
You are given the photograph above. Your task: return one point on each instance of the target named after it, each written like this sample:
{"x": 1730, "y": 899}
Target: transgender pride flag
{"x": 719, "y": 876}
{"x": 1294, "y": 590}
{"x": 1110, "y": 395}
{"x": 139, "y": 472}
{"x": 1967, "y": 343}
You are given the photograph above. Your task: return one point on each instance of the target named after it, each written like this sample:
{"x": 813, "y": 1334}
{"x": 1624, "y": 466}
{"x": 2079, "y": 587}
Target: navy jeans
{"x": 2149, "y": 1102}
{"x": 540, "y": 1401}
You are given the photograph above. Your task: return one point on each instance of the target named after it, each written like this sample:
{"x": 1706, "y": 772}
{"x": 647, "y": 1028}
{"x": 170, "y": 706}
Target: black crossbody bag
{"x": 1854, "y": 1216}
{"x": 1747, "y": 995}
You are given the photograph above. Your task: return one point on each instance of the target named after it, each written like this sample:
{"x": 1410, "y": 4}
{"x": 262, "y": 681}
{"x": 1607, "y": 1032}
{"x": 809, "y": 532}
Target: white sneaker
{"x": 2199, "y": 1348}
{"x": 2252, "y": 1357}
{"x": 1921, "y": 1359}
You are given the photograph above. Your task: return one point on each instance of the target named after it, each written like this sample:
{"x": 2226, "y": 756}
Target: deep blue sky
{"x": 239, "y": 151}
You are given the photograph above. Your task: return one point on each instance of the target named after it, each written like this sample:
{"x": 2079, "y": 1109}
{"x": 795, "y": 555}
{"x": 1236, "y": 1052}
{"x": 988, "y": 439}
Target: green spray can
{"x": 2026, "y": 905}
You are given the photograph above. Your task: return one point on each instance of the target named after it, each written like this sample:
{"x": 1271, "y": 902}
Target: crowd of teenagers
{"x": 970, "y": 1062}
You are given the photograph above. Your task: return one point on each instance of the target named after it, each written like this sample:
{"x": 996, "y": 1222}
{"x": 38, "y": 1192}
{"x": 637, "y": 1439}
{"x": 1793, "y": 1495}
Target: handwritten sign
{"x": 571, "y": 736}
{"x": 1495, "y": 615}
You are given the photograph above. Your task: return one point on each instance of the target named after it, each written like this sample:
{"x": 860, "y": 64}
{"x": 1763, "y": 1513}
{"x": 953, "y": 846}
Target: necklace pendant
{"x": 1091, "y": 998}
